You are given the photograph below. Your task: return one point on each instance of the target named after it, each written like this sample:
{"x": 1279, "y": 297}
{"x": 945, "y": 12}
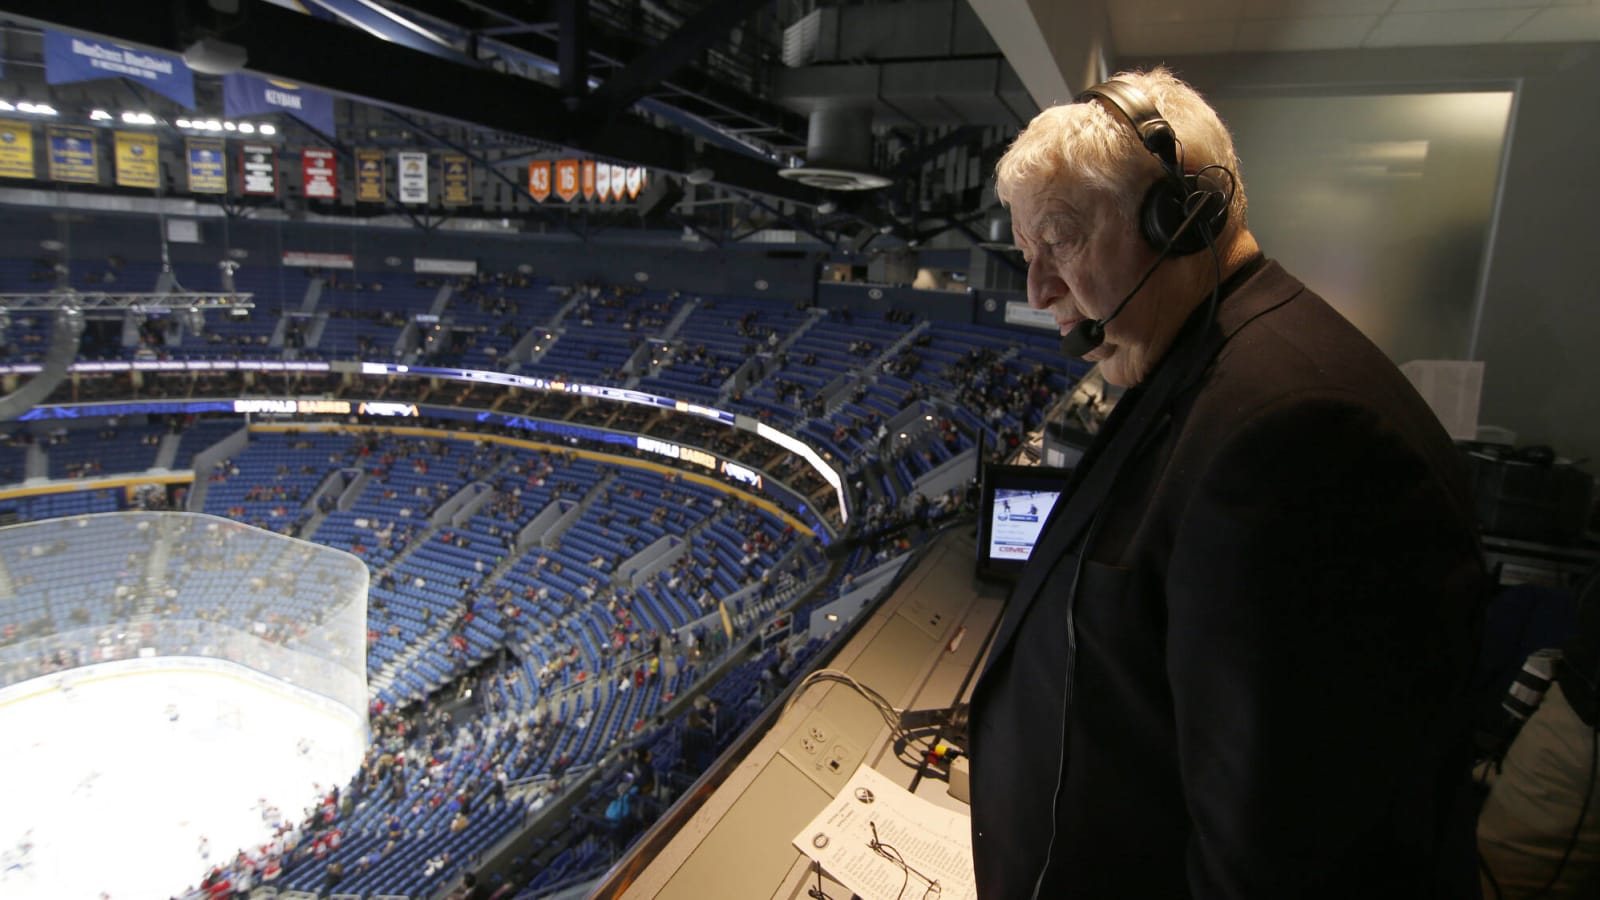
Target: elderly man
{"x": 1236, "y": 665}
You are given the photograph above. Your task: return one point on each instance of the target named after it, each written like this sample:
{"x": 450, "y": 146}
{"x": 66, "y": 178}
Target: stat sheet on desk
{"x": 936, "y": 843}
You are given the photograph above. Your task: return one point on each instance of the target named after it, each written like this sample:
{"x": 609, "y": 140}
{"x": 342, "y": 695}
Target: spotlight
{"x": 246, "y": 128}
{"x": 181, "y": 123}
{"x": 100, "y": 115}
{"x": 269, "y": 130}
{"x": 229, "y": 126}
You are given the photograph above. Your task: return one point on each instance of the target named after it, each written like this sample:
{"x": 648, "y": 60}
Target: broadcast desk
{"x": 736, "y": 843}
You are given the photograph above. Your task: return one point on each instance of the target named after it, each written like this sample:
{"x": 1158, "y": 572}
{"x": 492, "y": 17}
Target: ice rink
{"x": 109, "y": 783}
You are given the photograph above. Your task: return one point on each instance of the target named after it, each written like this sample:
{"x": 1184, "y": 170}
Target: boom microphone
{"x": 1091, "y": 333}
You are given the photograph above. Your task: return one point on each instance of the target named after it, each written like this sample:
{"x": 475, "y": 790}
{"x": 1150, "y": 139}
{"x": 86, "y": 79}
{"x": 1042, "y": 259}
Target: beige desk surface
{"x": 737, "y": 846}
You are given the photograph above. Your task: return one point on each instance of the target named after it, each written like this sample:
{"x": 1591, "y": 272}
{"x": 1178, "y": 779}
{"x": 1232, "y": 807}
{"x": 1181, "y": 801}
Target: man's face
{"x": 1083, "y": 258}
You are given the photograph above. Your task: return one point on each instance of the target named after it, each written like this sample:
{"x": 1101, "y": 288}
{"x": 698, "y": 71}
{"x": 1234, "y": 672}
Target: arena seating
{"x": 571, "y": 662}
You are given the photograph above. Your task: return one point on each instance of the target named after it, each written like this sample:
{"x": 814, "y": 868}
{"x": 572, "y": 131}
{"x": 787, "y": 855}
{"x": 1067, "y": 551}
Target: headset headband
{"x": 1154, "y": 131}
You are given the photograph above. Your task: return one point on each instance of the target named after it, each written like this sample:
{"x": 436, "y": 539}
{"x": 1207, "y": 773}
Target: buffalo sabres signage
{"x": 137, "y": 156}
{"x": 319, "y": 174}
{"x": 258, "y": 169}
{"x": 208, "y": 169}
{"x": 68, "y": 58}
{"x": 369, "y": 176}
{"x": 73, "y": 155}
{"x": 455, "y": 180}
{"x": 250, "y": 95}
{"x": 16, "y": 149}
{"x": 413, "y": 177}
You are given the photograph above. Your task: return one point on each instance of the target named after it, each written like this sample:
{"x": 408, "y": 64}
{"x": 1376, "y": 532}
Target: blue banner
{"x": 251, "y": 95}
{"x": 68, "y": 58}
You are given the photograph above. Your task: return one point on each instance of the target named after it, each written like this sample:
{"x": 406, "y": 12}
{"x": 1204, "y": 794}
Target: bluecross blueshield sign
{"x": 68, "y": 58}
{"x": 251, "y": 95}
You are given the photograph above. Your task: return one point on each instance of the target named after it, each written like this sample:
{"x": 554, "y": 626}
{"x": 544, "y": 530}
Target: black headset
{"x": 1179, "y": 215}
{"x": 1175, "y": 197}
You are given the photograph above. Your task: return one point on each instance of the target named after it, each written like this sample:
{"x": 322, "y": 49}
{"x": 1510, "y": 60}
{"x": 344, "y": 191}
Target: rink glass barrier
{"x": 88, "y": 589}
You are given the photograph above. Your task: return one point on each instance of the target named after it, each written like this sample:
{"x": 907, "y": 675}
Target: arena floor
{"x": 113, "y": 773}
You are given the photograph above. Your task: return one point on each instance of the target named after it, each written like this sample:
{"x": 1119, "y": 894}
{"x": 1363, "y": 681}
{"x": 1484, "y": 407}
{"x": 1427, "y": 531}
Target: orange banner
{"x": 588, "y": 179}
{"x": 567, "y": 179}
{"x": 539, "y": 180}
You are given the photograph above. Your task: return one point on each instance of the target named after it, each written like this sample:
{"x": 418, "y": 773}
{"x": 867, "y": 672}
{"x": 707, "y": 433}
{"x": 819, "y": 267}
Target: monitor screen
{"x": 1016, "y": 503}
{"x": 1017, "y": 517}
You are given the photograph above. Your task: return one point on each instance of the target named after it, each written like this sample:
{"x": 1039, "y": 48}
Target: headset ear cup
{"x": 1165, "y": 207}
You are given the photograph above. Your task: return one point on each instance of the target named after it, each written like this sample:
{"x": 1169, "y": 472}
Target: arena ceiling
{"x": 722, "y": 95}
{"x": 745, "y": 105}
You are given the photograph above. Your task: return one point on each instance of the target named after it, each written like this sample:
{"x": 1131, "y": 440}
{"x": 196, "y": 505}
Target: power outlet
{"x": 818, "y": 749}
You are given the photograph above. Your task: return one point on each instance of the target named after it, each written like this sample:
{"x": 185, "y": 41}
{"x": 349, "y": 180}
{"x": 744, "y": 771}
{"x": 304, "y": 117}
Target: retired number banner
{"x": 567, "y": 180}
{"x": 539, "y": 180}
{"x": 320, "y": 174}
{"x": 588, "y": 179}
{"x": 137, "y": 156}
{"x": 369, "y": 176}
{"x": 16, "y": 149}
{"x": 603, "y": 183}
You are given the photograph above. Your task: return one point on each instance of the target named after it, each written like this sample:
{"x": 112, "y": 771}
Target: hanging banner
{"x": 455, "y": 187}
{"x": 635, "y": 181}
{"x": 567, "y": 179}
{"x": 369, "y": 176}
{"x": 258, "y": 167}
{"x": 250, "y": 95}
{"x": 138, "y": 160}
{"x": 539, "y": 180}
{"x": 208, "y": 170}
{"x": 73, "y": 155}
{"x": 413, "y": 181}
{"x": 588, "y": 179}
{"x": 619, "y": 182}
{"x": 602, "y": 179}
{"x": 305, "y": 259}
{"x": 68, "y": 58}
{"x": 16, "y": 149}
{"x": 317, "y": 169}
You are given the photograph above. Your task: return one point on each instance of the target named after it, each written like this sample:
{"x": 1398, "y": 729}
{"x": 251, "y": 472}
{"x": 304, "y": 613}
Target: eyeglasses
{"x": 893, "y": 855}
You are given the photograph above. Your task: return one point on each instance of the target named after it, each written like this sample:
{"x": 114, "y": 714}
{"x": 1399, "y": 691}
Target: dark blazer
{"x": 1275, "y": 625}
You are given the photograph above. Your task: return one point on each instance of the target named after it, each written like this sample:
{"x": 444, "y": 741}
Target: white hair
{"x": 1095, "y": 148}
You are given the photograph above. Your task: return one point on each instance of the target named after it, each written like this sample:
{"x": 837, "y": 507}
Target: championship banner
{"x": 73, "y": 155}
{"x": 369, "y": 176}
{"x": 208, "y": 168}
{"x": 588, "y": 179}
{"x": 319, "y": 174}
{"x": 16, "y": 149}
{"x": 539, "y": 180}
{"x": 68, "y": 59}
{"x": 138, "y": 160}
{"x": 258, "y": 167}
{"x": 619, "y": 179}
{"x": 635, "y": 181}
{"x": 249, "y": 95}
{"x": 413, "y": 181}
{"x": 455, "y": 188}
{"x": 602, "y": 178}
{"x": 567, "y": 179}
